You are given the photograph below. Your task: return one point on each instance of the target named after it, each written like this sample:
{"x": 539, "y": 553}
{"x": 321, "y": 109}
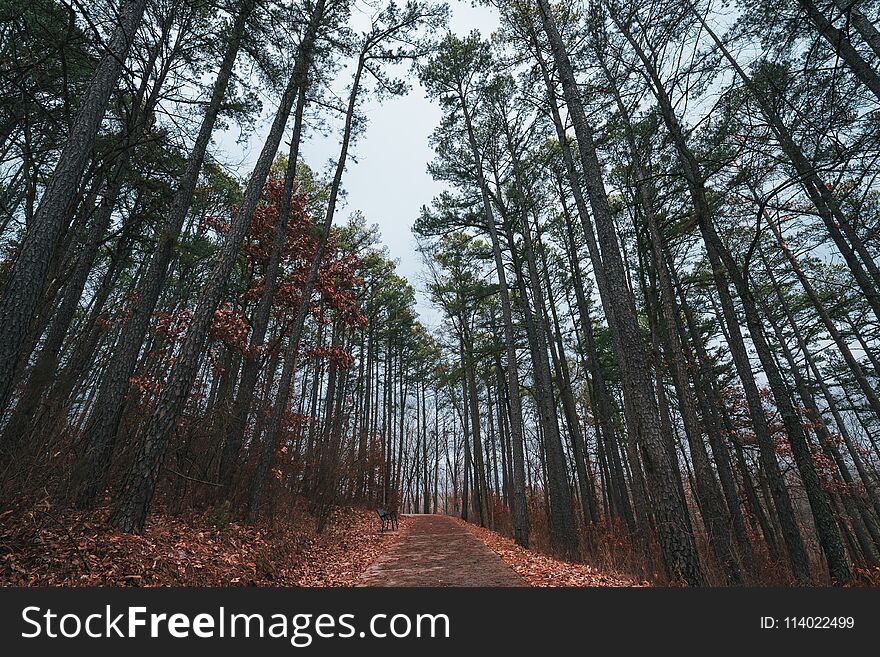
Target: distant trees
{"x": 393, "y": 36}
{"x": 453, "y": 76}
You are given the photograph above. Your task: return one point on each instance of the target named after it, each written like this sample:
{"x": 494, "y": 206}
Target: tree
{"x": 24, "y": 285}
{"x": 673, "y": 523}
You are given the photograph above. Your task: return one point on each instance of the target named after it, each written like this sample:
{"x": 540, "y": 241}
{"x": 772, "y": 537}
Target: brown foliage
{"x": 42, "y": 547}
{"x": 540, "y": 570}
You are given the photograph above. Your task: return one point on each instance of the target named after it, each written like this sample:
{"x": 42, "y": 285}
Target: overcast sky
{"x": 387, "y": 178}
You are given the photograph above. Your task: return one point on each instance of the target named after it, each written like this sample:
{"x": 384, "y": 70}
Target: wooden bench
{"x": 387, "y": 518}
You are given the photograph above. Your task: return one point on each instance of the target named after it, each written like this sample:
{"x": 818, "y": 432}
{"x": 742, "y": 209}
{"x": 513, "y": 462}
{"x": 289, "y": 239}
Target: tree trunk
{"x": 25, "y": 284}
{"x": 519, "y": 508}
{"x": 134, "y": 499}
{"x": 102, "y": 426}
{"x": 840, "y": 43}
{"x": 673, "y": 524}
{"x": 295, "y": 337}
{"x": 241, "y": 408}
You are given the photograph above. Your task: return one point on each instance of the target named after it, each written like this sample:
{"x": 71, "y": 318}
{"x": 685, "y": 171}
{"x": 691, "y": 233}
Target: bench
{"x": 387, "y": 518}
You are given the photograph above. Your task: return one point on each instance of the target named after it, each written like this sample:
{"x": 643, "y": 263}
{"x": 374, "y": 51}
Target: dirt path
{"x": 437, "y": 551}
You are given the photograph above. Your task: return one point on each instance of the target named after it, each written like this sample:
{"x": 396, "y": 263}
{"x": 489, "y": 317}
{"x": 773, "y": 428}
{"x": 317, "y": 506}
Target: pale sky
{"x": 389, "y": 181}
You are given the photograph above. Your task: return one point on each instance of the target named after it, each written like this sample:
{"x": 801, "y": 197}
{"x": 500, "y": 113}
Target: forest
{"x": 653, "y": 276}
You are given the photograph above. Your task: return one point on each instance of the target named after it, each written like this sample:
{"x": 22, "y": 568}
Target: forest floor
{"x": 45, "y": 547}
{"x": 439, "y": 550}
{"x": 538, "y": 569}
{"x": 52, "y": 547}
